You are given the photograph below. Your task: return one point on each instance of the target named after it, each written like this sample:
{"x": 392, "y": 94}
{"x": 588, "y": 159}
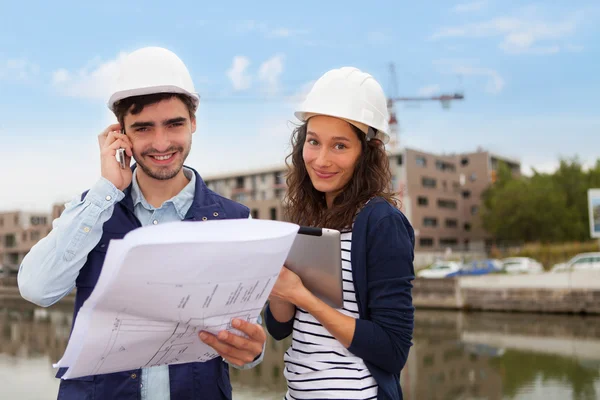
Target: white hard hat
{"x": 352, "y": 95}
{"x": 153, "y": 70}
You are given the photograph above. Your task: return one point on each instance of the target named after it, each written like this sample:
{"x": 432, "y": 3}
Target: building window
{"x": 422, "y": 201}
{"x": 279, "y": 193}
{"x": 13, "y": 259}
{"x": 10, "y": 240}
{"x": 446, "y": 204}
{"x": 474, "y": 210}
{"x": 17, "y": 219}
{"x": 34, "y": 236}
{"x": 445, "y": 166}
{"x": 467, "y": 226}
{"x": 428, "y": 221}
{"x": 451, "y": 223}
{"x": 273, "y": 213}
{"x": 38, "y": 220}
{"x": 399, "y": 160}
{"x": 445, "y": 186}
{"x": 428, "y": 182}
{"x": 426, "y": 242}
{"x": 263, "y": 177}
{"x": 456, "y": 187}
{"x": 254, "y": 213}
{"x": 394, "y": 182}
{"x": 240, "y": 198}
{"x": 24, "y": 236}
{"x": 421, "y": 161}
{"x": 448, "y": 242}
{"x": 1, "y": 221}
{"x": 239, "y": 182}
{"x": 263, "y": 194}
{"x": 278, "y": 178}
{"x": 464, "y": 162}
{"x": 466, "y": 194}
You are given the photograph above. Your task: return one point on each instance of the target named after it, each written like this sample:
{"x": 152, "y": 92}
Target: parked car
{"x": 522, "y": 265}
{"x": 439, "y": 269}
{"x": 581, "y": 262}
{"x": 477, "y": 268}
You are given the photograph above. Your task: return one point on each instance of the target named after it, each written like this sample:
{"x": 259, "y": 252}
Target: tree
{"x": 543, "y": 207}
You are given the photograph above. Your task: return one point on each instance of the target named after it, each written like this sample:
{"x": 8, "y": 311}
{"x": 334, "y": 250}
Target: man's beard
{"x": 167, "y": 172}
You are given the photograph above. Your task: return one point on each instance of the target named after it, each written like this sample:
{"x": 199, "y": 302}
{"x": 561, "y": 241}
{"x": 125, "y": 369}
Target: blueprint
{"x": 161, "y": 285}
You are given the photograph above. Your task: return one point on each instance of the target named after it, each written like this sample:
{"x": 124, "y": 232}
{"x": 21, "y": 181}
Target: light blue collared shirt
{"x": 48, "y": 272}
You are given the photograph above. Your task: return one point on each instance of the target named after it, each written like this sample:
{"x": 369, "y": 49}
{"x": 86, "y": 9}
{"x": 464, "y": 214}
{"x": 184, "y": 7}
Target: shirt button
{"x": 204, "y": 218}
{"x": 108, "y": 198}
{"x": 215, "y": 214}
{"x": 155, "y": 222}
{"x": 133, "y": 376}
{"x": 86, "y": 229}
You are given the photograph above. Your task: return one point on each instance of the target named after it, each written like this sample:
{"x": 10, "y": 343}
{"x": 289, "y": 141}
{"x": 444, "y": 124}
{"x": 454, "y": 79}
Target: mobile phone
{"x": 121, "y": 157}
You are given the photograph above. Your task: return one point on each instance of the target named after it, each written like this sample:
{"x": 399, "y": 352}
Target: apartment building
{"x": 261, "y": 190}
{"x": 441, "y": 194}
{"x": 19, "y": 231}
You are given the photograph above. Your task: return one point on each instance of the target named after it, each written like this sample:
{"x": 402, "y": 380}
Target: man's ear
{"x": 193, "y": 122}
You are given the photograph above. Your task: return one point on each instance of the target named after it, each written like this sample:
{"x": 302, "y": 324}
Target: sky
{"x": 528, "y": 71}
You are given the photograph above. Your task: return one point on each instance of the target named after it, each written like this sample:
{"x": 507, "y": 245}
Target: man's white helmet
{"x": 352, "y": 95}
{"x": 153, "y": 70}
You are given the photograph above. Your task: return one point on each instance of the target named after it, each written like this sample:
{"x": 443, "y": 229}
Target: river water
{"x": 455, "y": 356}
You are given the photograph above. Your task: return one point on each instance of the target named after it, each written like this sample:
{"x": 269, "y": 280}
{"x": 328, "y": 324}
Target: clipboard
{"x": 316, "y": 257}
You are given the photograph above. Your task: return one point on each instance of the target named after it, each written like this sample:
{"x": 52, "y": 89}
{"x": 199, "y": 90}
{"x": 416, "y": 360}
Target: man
{"x": 155, "y": 104}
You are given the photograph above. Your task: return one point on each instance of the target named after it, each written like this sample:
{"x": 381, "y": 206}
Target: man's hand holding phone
{"x": 110, "y": 140}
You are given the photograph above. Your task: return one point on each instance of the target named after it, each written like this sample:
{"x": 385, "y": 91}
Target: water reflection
{"x": 455, "y": 356}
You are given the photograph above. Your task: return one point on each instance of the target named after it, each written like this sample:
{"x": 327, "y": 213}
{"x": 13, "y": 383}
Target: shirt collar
{"x": 182, "y": 201}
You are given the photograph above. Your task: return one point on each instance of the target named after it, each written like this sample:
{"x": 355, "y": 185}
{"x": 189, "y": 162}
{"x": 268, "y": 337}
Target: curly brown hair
{"x": 304, "y": 205}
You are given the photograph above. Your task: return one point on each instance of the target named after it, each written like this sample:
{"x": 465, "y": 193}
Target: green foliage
{"x": 545, "y": 208}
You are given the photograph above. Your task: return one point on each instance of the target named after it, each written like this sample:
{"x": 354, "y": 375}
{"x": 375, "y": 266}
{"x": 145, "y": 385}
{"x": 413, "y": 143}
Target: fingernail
{"x": 203, "y": 336}
{"x": 236, "y": 323}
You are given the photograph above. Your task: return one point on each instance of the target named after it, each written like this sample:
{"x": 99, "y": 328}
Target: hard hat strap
{"x": 371, "y": 134}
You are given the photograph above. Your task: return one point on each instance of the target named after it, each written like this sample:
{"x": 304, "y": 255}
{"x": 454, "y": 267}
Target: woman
{"x": 339, "y": 178}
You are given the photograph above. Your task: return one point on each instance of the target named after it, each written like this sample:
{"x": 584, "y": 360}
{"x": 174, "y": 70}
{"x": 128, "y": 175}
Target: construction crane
{"x": 444, "y": 99}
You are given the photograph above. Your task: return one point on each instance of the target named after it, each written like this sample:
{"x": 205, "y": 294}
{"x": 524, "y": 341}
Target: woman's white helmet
{"x": 352, "y": 95}
{"x": 152, "y": 70}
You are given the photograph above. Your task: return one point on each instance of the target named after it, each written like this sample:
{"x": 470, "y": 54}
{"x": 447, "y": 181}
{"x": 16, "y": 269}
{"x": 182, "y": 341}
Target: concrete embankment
{"x": 570, "y": 292}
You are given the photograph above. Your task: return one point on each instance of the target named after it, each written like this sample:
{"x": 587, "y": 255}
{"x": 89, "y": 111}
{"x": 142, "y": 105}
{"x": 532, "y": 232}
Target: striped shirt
{"x": 317, "y": 366}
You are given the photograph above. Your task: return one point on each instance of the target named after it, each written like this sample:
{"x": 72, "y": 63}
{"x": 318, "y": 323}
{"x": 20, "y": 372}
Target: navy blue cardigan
{"x": 382, "y": 267}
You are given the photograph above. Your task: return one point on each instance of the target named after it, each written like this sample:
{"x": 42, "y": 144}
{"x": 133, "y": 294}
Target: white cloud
{"x": 18, "y": 69}
{"x": 429, "y": 90}
{"x": 519, "y": 35}
{"x": 286, "y": 32}
{"x": 94, "y": 81}
{"x": 470, "y": 7}
{"x": 270, "y": 72}
{"x": 60, "y": 76}
{"x": 238, "y": 75}
{"x": 495, "y": 83}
